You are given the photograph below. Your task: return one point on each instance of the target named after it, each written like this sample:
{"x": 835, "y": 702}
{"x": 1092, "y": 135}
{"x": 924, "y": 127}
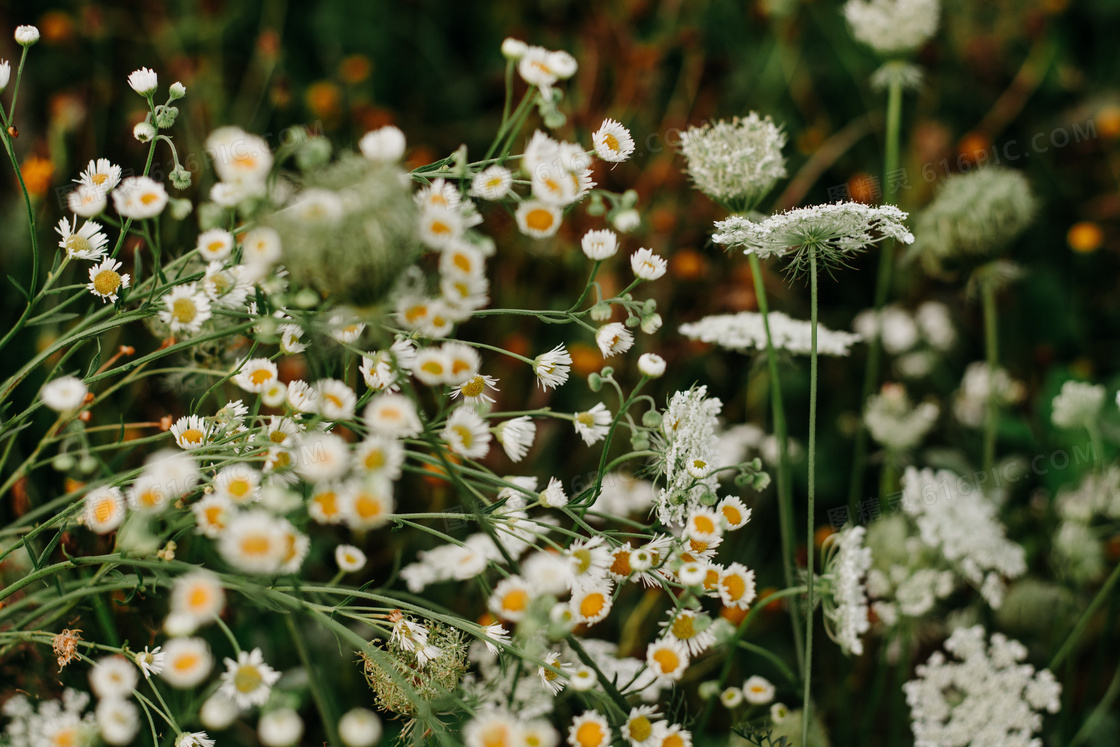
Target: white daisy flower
{"x": 733, "y": 512}
{"x": 553, "y": 496}
{"x": 322, "y": 457}
{"x": 368, "y": 503}
{"x": 150, "y": 662}
{"x": 473, "y": 390}
{"x": 613, "y": 338}
{"x": 613, "y": 141}
{"x": 113, "y": 677}
{"x": 227, "y": 286}
{"x": 104, "y": 509}
{"x": 87, "y": 201}
{"x": 254, "y": 541}
{"x": 199, "y": 595}
{"x": 143, "y": 81}
{"x": 349, "y": 558}
{"x": 592, "y": 603}
{"x": 592, "y": 425}
{"x": 187, "y": 662}
{"x": 105, "y": 281}
{"x": 239, "y": 157}
{"x": 510, "y": 599}
{"x": 392, "y": 415}
{"x": 638, "y": 729}
{"x": 379, "y": 455}
{"x": 139, "y": 197}
{"x": 466, "y": 433}
{"x": 240, "y": 483}
{"x": 552, "y": 367}
{"x": 384, "y": 145}
{"x": 118, "y": 721}
{"x": 102, "y": 175}
{"x": 248, "y": 681}
{"x": 691, "y": 629}
{"x": 212, "y": 514}
{"x": 359, "y": 727}
{"x": 758, "y": 690}
{"x": 87, "y": 242}
{"x": 148, "y": 494}
{"x": 516, "y": 436}
{"x": 215, "y": 245}
{"x": 336, "y": 399}
{"x": 599, "y": 245}
{"x": 441, "y": 226}
{"x": 552, "y": 680}
{"x": 647, "y": 265}
{"x": 538, "y": 219}
{"x": 193, "y": 739}
{"x": 736, "y": 586}
{"x": 64, "y": 394}
{"x": 185, "y": 309}
{"x": 492, "y": 183}
{"x": 431, "y": 366}
{"x": 255, "y": 375}
{"x": 290, "y": 335}
{"x": 589, "y": 729}
{"x": 281, "y": 727}
{"x": 190, "y": 431}
{"x": 261, "y": 247}
{"x": 668, "y": 659}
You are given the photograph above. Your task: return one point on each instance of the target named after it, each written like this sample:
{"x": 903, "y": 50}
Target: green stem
{"x": 322, "y": 699}
{"x": 1090, "y": 726}
{"x": 808, "y": 667}
{"x": 882, "y": 292}
{"x": 785, "y": 487}
{"x": 991, "y": 347}
{"x": 1083, "y": 621}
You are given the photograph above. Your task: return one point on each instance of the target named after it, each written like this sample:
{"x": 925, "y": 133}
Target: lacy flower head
{"x": 983, "y": 695}
{"x": 845, "y": 605}
{"x": 735, "y": 163}
{"x": 896, "y": 424}
{"x": 973, "y": 218}
{"x": 830, "y": 232}
{"x": 892, "y": 27}
{"x": 745, "y": 331}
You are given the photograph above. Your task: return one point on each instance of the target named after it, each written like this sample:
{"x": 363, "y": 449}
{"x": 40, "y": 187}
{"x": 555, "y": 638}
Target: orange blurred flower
{"x": 355, "y": 68}
{"x": 56, "y": 27}
{"x": 1085, "y": 237}
{"x": 37, "y": 173}
{"x": 323, "y": 99}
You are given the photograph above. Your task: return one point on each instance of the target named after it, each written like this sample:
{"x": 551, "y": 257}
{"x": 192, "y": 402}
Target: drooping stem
{"x": 882, "y": 292}
{"x": 808, "y": 665}
{"x": 1086, "y": 616}
{"x": 785, "y": 487}
{"x": 991, "y": 347}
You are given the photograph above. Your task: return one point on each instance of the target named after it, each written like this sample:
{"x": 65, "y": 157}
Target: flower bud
{"x": 144, "y": 132}
{"x": 26, "y": 35}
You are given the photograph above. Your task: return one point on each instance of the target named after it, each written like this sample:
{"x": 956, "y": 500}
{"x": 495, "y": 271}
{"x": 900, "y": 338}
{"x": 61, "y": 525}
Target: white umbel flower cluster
{"x": 983, "y": 695}
{"x": 843, "y": 227}
{"x": 847, "y": 611}
{"x": 894, "y": 423}
{"x": 971, "y": 400}
{"x": 1078, "y": 404}
{"x": 745, "y": 331}
{"x": 735, "y": 163}
{"x": 688, "y": 434}
{"x": 892, "y": 27}
{"x": 963, "y": 528}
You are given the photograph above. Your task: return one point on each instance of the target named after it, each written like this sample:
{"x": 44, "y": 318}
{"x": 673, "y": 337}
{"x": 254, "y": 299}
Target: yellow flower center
{"x": 640, "y": 728}
{"x": 466, "y": 438}
{"x": 192, "y": 436}
{"x": 199, "y": 597}
{"x": 515, "y": 601}
{"x": 683, "y": 628}
{"x": 474, "y": 387}
{"x": 106, "y": 282}
{"x": 104, "y": 510}
{"x": 99, "y": 179}
{"x": 374, "y": 460}
{"x": 215, "y": 246}
{"x": 620, "y": 564}
{"x": 260, "y": 376}
{"x": 667, "y": 659}
{"x": 247, "y": 679}
{"x": 539, "y": 220}
{"x": 148, "y": 198}
{"x": 255, "y": 545}
{"x": 327, "y": 501}
{"x": 592, "y": 605}
{"x": 183, "y": 310}
{"x": 367, "y": 506}
{"x": 77, "y": 244}
{"x": 735, "y": 586}
{"x": 703, "y": 524}
{"x": 611, "y": 142}
{"x": 186, "y": 662}
{"x": 589, "y": 734}
{"x": 732, "y": 514}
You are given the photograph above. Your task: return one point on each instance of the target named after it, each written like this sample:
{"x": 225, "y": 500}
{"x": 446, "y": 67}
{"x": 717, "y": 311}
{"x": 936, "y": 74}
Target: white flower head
{"x": 248, "y": 681}
{"x": 651, "y": 365}
{"x": 829, "y": 232}
{"x": 538, "y": 219}
{"x": 599, "y": 245}
{"x": 87, "y": 201}
{"x": 139, "y": 197}
{"x": 592, "y": 425}
{"x": 892, "y": 27}
{"x": 735, "y": 163}
{"x": 384, "y": 145}
{"x": 492, "y": 183}
{"x": 552, "y": 367}
{"x": 87, "y": 242}
{"x": 64, "y": 394}
{"x": 613, "y": 142}
{"x": 26, "y": 35}
{"x": 647, "y": 265}
{"x": 746, "y": 331}
{"x": 1078, "y": 404}
{"x": 613, "y": 339}
{"x": 185, "y": 310}
{"x": 105, "y": 280}
{"x": 143, "y": 81}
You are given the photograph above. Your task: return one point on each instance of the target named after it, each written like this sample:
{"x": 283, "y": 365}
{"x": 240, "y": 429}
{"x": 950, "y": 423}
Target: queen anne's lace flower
{"x": 894, "y": 423}
{"x": 745, "y": 331}
{"x": 735, "y": 163}
{"x": 963, "y": 527}
{"x": 847, "y": 606}
{"x": 983, "y": 695}
{"x": 688, "y": 433}
{"x": 1078, "y": 404}
{"x": 892, "y": 26}
{"x": 832, "y": 231}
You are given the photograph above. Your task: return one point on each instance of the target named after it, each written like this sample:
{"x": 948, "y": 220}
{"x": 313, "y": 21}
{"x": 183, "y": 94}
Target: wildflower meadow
{"x": 526, "y": 375}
